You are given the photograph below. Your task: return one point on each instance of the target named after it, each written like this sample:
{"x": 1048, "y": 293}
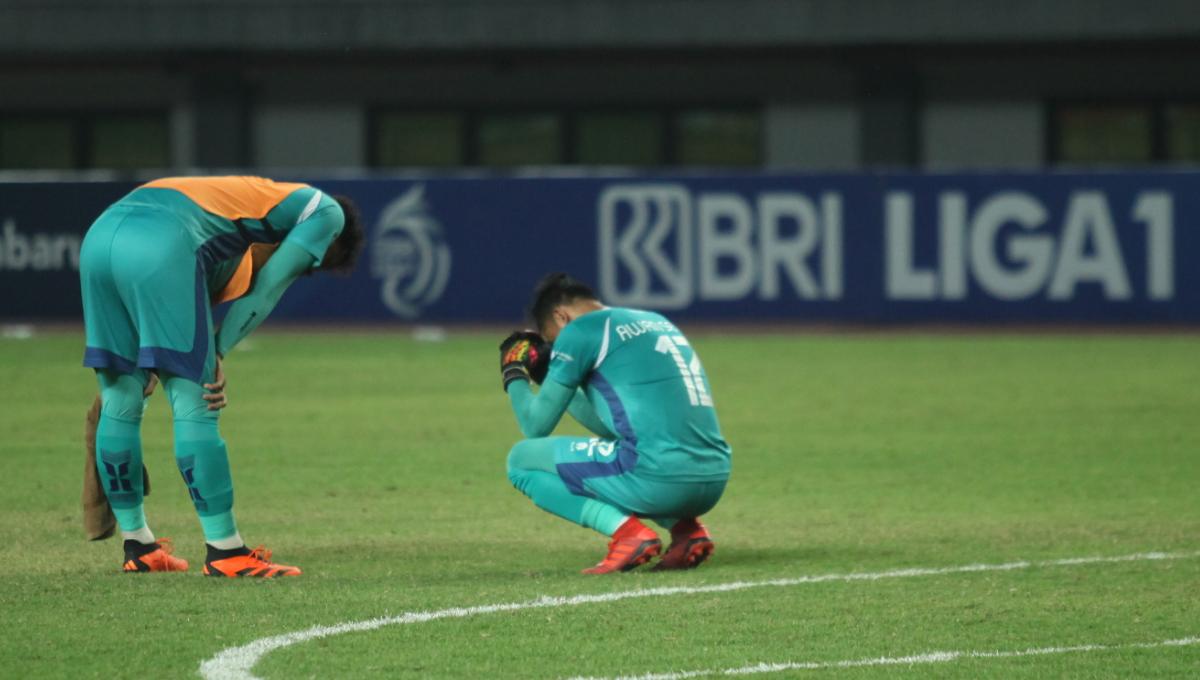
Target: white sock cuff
{"x": 228, "y": 543}
{"x": 143, "y": 535}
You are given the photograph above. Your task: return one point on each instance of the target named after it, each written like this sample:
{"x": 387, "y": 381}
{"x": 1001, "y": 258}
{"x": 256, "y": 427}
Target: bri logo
{"x": 410, "y": 255}
{"x": 663, "y": 246}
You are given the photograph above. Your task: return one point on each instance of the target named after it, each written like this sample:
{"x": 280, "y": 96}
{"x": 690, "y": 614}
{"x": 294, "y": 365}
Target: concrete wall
{"x": 982, "y": 134}
{"x": 928, "y": 107}
{"x": 92, "y": 26}
{"x": 309, "y": 136}
{"x": 813, "y": 136}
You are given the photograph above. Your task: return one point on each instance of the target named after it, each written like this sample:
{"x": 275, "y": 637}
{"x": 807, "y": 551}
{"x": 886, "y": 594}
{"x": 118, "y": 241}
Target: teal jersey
{"x": 646, "y": 382}
{"x": 222, "y": 216}
{"x": 158, "y": 259}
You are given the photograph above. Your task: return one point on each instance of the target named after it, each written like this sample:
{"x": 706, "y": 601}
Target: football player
{"x": 633, "y": 379}
{"x": 151, "y": 267}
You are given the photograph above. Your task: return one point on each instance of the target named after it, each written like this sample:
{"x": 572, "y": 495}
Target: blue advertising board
{"x": 1111, "y": 247}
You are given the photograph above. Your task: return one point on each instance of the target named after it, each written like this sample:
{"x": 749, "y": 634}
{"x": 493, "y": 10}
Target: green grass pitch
{"x": 376, "y": 463}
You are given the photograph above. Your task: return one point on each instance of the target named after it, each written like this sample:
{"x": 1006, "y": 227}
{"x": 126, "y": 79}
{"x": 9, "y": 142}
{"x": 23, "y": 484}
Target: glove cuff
{"x": 512, "y": 373}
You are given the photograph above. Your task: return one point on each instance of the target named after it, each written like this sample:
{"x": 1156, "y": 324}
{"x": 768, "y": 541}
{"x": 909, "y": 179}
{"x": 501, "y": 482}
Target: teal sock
{"x": 130, "y": 519}
{"x": 602, "y": 517}
{"x": 202, "y": 458}
{"x": 549, "y": 493}
{"x": 119, "y": 460}
{"x": 218, "y": 526}
{"x": 204, "y": 464}
{"x": 119, "y": 447}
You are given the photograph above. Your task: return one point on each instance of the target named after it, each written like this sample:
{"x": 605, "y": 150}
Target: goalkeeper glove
{"x": 524, "y": 355}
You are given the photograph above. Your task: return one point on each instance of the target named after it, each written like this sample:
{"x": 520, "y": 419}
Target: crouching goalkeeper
{"x": 632, "y": 378}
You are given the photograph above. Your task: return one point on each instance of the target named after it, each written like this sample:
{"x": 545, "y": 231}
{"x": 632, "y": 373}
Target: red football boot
{"x": 146, "y": 557}
{"x": 690, "y": 545}
{"x": 633, "y": 545}
{"x": 243, "y": 562}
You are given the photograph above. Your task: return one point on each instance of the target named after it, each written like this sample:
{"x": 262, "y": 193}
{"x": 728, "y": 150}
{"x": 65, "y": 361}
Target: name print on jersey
{"x": 626, "y": 331}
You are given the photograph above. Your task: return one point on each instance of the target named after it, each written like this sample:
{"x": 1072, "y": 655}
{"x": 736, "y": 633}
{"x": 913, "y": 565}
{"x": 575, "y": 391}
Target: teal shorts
{"x": 145, "y": 300}
{"x": 607, "y": 470}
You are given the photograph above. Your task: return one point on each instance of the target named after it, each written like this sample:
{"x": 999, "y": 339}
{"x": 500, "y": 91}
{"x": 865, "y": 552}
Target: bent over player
{"x": 151, "y": 266}
{"x": 632, "y": 378}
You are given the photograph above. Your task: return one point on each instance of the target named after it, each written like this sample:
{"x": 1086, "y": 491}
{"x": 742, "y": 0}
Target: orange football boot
{"x": 146, "y": 557}
{"x": 245, "y": 562}
{"x": 633, "y": 545}
{"x": 690, "y": 545}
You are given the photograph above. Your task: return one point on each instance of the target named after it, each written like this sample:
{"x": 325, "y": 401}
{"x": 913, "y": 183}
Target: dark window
{"x": 129, "y": 142}
{"x": 37, "y": 143}
{"x": 420, "y": 139}
{"x": 715, "y": 137}
{"x": 1097, "y": 134}
{"x": 519, "y": 139}
{"x": 1183, "y": 133}
{"x": 619, "y": 139}
{"x": 634, "y": 137}
{"x": 118, "y": 141}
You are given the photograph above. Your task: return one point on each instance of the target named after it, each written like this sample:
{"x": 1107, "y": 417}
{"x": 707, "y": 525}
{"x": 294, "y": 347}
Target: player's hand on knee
{"x": 151, "y": 383}
{"x": 216, "y": 398}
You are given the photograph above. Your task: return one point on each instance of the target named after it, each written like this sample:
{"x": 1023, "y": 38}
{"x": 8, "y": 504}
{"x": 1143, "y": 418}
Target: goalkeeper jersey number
{"x": 647, "y": 384}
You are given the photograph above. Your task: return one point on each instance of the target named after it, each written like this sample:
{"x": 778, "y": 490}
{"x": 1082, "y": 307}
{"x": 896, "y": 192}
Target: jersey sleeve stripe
{"x": 310, "y": 208}
{"x": 603, "y": 345}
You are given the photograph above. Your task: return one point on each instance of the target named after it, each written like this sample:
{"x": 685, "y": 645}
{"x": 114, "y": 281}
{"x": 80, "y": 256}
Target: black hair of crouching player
{"x": 553, "y": 291}
{"x": 342, "y": 254}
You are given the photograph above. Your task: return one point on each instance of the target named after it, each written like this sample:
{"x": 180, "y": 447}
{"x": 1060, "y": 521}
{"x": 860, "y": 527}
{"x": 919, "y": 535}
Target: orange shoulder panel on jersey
{"x": 231, "y": 197}
{"x": 243, "y": 277}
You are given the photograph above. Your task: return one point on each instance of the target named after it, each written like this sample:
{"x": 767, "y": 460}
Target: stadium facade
{"x": 797, "y": 84}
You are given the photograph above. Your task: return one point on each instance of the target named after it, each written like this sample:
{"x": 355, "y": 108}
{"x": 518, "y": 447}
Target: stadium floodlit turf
{"x": 376, "y": 463}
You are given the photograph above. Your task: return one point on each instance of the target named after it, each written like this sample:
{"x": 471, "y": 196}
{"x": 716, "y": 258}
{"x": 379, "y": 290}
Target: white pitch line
{"x": 236, "y": 663}
{"x": 926, "y": 658}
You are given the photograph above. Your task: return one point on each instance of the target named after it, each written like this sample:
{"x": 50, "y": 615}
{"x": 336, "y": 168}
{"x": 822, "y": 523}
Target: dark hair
{"x": 553, "y": 291}
{"x": 342, "y": 254}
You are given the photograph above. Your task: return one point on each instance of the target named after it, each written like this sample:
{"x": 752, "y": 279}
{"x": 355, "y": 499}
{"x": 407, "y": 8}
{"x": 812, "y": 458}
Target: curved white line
{"x": 236, "y": 663}
{"x": 927, "y": 657}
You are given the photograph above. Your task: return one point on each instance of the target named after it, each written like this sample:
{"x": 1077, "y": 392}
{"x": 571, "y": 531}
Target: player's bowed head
{"x": 342, "y": 255}
{"x": 558, "y": 299}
